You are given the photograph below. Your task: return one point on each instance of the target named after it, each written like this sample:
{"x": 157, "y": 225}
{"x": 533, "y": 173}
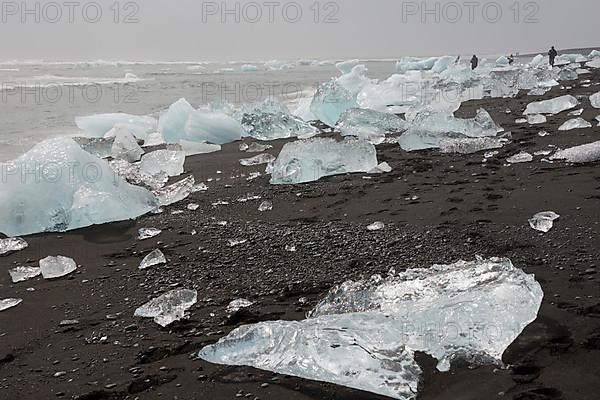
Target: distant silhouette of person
{"x": 511, "y": 59}
{"x": 474, "y": 62}
{"x": 552, "y": 54}
{"x": 457, "y": 60}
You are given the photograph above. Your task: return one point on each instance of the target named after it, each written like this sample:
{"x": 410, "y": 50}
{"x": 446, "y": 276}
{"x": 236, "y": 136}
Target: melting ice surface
{"x": 169, "y": 307}
{"x": 310, "y": 160}
{"x": 12, "y": 244}
{"x": 57, "y": 267}
{"x": 57, "y": 186}
{"x": 330, "y": 101}
{"x": 364, "y": 334}
{"x": 552, "y": 106}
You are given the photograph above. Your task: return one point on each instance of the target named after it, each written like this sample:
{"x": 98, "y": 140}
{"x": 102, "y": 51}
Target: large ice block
{"x": 586, "y": 153}
{"x": 172, "y": 122}
{"x": 330, "y": 102}
{"x": 272, "y": 120}
{"x": 100, "y": 124}
{"x": 212, "y": 127}
{"x": 364, "y": 334}
{"x": 57, "y": 186}
{"x": 310, "y": 160}
{"x": 552, "y": 106}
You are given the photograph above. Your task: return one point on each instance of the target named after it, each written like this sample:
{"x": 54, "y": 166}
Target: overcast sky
{"x": 195, "y": 30}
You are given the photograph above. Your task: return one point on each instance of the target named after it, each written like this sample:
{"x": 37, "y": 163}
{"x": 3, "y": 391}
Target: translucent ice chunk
{"x": 364, "y": 334}
{"x": 57, "y": 267}
{"x": 156, "y": 257}
{"x": 543, "y": 221}
{"x": 310, "y": 160}
{"x": 176, "y": 192}
{"x": 502, "y": 61}
{"x": 22, "y": 274}
{"x": 374, "y": 122}
{"x": 169, "y": 307}
{"x": 595, "y": 63}
{"x": 272, "y": 120}
{"x": 552, "y": 106}
{"x": 237, "y": 305}
{"x": 125, "y": 145}
{"x": 534, "y": 119}
{"x": 148, "y": 233}
{"x": 355, "y": 80}
{"x": 595, "y": 100}
{"x": 12, "y": 244}
{"x": 586, "y": 153}
{"x": 248, "y": 68}
{"x": 345, "y": 67}
{"x": 382, "y": 168}
{"x": 5, "y": 304}
{"x": 468, "y": 145}
{"x": 133, "y": 174}
{"x": 594, "y": 54}
{"x": 575, "y": 123}
{"x": 376, "y": 226}
{"x": 171, "y": 124}
{"x": 257, "y": 148}
{"x": 57, "y": 186}
{"x": 415, "y": 64}
{"x": 257, "y": 160}
{"x": 100, "y": 124}
{"x": 265, "y": 206}
{"x": 330, "y": 102}
{"x": 576, "y": 113}
{"x": 167, "y": 161}
{"x": 98, "y": 147}
{"x": 194, "y": 148}
{"x": 303, "y": 110}
{"x": 522, "y": 157}
{"x": 212, "y": 127}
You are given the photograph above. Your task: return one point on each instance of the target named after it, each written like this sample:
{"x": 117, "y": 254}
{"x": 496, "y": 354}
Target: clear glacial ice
{"x": 595, "y": 100}
{"x": 57, "y": 267}
{"x": 169, "y": 307}
{"x": 575, "y": 123}
{"x": 370, "y": 125}
{"x": 272, "y": 120}
{"x": 586, "y": 153}
{"x": 125, "y": 145}
{"x": 163, "y": 161}
{"x": 330, "y": 101}
{"x": 22, "y": 274}
{"x": 543, "y": 221}
{"x": 364, "y": 334}
{"x": 57, "y": 186}
{"x": 552, "y": 106}
{"x": 155, "y": 258}
{"x": 100, "y": 124}
{"x": 310, "y": 160}
{"x": 176, "y": 192}
{"x": 10, "y": 245}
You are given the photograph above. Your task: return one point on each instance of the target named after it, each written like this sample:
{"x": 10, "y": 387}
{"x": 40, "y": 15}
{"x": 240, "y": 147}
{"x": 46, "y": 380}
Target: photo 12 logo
{"x": 271, "y": 12}
{"x": 470, "y": 12}
{"x": 69, "y": 12}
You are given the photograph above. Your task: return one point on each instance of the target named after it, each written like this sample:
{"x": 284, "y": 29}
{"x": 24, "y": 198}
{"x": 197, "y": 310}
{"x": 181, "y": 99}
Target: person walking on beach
{"x": 511, "y": 59}
{"x": 474, "y": 62}
{"x": 552, "y": 54}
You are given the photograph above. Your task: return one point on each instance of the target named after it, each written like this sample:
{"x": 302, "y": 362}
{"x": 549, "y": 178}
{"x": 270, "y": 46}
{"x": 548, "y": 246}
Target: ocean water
{"x": 42, "y": 99}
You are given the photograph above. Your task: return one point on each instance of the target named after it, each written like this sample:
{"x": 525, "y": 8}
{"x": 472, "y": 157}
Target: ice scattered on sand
{"x": 522, "y": 157}
{"x": 330, "y": 102}
{"x": 156, "y": 257}
{"x": 57, "y": 186}
{"x": 595, "y": 100}
{"x": 265, "y": 206}
{"x": 576, "y": 113}
{"x": 201, "y": 187}
{"x": 382, "y": 168}
{"x": 167, "y": 161}
{"x": 193, "y": 206}
{"x": 543, "y": 134}
{"x": 57, "y": 267}
{"x": 22, "y": 274}
{"x": 272, "y": 120}
{"x": 310, "y": 160}
{"x": 535, "y": 119}
{"x": 376, "y": 226}
{"x": 195, "y": 148}
{"x": 100, "y": 124}
{"x": 255, "y": 147}
{"x": 148, "y": 233}
{"x": 586, "y": 153}
{"x": 236, "y": 242}
{"x": 521, "y": 120}
{"x": 364, "y": 335}
{"x": 5, "y": 304}
{"x": 169, "y": 307}
{"x": 471, "y": 145}
{"x": 176, "y": 192}
{"x": 552, "y": 106}
{"x": 237, "y": 305}
{"x": 10, "y": 245}
{"x": 575, "y": 123}
{"x": 257, "y": 160}
{"x": 543, "y": 221}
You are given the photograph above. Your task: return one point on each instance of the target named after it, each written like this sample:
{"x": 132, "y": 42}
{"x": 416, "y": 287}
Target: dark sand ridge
{"x": 464, "y": 208}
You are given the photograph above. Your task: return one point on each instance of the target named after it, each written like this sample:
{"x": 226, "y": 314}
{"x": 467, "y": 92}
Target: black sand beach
{"x": 437, "y": 208}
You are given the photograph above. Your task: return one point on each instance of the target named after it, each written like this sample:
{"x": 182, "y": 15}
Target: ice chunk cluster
{"x": 272, "y": 120}
{"x": 364, "y": 334}
{"x": 57, "y": 186}
{"x": 169, "y": 307}
{"x": 310, "y": 160}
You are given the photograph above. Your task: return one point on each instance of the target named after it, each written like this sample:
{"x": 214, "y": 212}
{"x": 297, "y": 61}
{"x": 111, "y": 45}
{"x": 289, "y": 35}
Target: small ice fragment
{"x": 552, "y": 106}
{"x": 237, "y": 305}
{"x": 12, "y": 244}
{"x": 521, "y": 121}
{"x": 201, "y": 187}
{"x": 167, "y": 161}
{"x": 148, "y": 233}
{"x": 154, "y": 258}
{"x": 576, "y": 113}
{"x": 236, "y": 242}
{"x": 575, "y": 123}
{"x": 244, "y": 147}
{"x": 543, "y": 134}
{"x": 169, "y": 307}
{"x": 522, "y": 157}
{"x": 176, "y": 192}
{"x": 265, "y": 206}
{"x": 290, "y": 248}
{"x": 376, "y": 226}
{"x": 468, "y": 145}
{"x": 5, "y": 304}
{"x": 543, "y": 221}
{"x": 258, "y": 160}
{"x": 586, "y": 153}
{"x": 535, "y": 119}
{"x": 193, "y": 206}
{"x": 57, "y": 267}
{"x": 543, "y": 153}
{"x": 382, "y": 168}
{"x": 194, "y": 148}
{"x": 22, "y": 274}
{"x": 258, "y": 148}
